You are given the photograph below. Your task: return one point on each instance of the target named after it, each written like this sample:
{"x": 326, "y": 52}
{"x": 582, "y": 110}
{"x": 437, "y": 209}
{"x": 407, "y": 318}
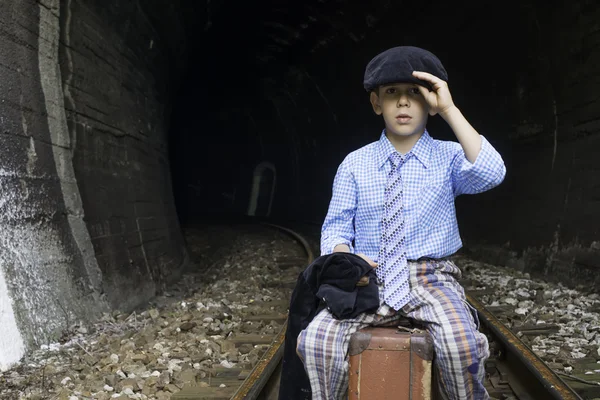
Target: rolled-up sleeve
{"x": 338, "y": 227}
{"x": 487, "y": 172}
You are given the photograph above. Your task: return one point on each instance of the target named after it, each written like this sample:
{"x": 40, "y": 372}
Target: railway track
{"x": 514, "y": 372}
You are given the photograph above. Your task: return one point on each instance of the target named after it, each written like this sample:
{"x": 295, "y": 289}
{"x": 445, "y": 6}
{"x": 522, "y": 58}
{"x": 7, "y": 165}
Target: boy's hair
{"x": 397, "y": 65}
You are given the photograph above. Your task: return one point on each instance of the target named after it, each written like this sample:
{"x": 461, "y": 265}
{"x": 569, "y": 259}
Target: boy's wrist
{"x": 450, "y": 112}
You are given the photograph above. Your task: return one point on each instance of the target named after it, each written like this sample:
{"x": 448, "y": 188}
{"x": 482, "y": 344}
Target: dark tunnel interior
{"x": 280, "y": 84}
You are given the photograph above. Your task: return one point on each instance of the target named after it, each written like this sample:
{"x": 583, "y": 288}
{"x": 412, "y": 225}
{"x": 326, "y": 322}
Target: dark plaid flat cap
{"x": 397, "y": 64}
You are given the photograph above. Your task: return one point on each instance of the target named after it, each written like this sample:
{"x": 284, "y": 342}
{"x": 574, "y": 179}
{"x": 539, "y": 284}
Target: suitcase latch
{"x": 410, "y": 330}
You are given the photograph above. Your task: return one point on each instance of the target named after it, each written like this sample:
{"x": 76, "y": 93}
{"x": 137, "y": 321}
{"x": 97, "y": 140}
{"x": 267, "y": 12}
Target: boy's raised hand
{"x": 439, "y": 100}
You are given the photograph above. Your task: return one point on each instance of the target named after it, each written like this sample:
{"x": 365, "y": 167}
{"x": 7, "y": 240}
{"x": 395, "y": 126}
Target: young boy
{"x": 393, "y": 204}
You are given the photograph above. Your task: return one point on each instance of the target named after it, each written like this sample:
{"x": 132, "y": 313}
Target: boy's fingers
{"x": 426, "y": 76}
{"x": 363, "y": 281}
{"x": 368, "y": 260}
{"x": 427, "y": 96}
{"x": 424, "y": 91}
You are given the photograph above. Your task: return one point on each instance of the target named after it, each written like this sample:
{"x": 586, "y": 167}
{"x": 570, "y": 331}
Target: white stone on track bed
{"x": 573, "y": 344}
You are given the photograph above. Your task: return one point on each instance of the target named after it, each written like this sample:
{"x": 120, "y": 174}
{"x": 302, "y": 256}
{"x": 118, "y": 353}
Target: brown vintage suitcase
{"x": 386, "y": 363}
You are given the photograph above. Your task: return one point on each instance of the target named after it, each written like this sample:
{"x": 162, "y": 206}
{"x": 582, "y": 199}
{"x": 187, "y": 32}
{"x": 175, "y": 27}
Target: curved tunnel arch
{"x": 168, "y": 105}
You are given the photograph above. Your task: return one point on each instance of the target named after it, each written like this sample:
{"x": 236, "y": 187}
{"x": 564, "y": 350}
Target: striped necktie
{"x": 394, "y": 273}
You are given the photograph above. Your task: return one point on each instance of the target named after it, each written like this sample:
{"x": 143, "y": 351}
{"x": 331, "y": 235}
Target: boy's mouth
{"x": 403, "y": 118}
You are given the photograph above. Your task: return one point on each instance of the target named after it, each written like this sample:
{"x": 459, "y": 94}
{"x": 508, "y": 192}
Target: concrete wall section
{"x": 49, "y": 277}
{"x": 12, "y": 346}
{"x": 116, "y": 77}
{"x": 86, "y": 207}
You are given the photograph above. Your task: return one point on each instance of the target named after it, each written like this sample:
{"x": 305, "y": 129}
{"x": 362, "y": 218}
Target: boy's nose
{"x": 402, "y": 101}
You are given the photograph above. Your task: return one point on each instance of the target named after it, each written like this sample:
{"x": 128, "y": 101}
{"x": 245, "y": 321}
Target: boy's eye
{"x": 412, "y": 90}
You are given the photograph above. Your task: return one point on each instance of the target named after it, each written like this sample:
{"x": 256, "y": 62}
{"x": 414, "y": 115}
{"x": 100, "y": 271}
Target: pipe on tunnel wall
{"x": 86, "y": 208}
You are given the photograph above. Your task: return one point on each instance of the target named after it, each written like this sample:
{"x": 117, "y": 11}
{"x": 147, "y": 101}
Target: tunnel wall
{"x": 547, "y": 216}
{"x": 117, "y": 99}
{"x": 50, "y": 275}
{"x": 87, "y": 214}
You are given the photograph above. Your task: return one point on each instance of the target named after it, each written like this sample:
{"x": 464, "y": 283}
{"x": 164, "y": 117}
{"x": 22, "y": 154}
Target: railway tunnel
{"x": 123, "y": 122}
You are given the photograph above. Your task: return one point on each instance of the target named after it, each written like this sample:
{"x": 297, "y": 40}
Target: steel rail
{"x": 259, "y": 376}
{"x": 529, "y": 369}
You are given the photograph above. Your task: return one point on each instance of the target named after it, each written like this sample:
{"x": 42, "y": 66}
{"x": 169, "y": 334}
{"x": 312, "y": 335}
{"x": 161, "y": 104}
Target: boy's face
{"x": 403, "y": 107}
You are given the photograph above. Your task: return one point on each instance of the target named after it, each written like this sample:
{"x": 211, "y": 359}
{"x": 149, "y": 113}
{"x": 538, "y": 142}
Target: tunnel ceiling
{"x": 261, "y": 38}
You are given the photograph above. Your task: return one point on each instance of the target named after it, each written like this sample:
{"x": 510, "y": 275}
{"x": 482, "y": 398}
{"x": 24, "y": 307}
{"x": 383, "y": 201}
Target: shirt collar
{"x": 421, "y": 149}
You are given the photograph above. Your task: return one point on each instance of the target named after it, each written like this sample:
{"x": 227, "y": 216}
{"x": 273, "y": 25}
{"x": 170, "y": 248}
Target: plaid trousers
{"x": 438, "y": 301}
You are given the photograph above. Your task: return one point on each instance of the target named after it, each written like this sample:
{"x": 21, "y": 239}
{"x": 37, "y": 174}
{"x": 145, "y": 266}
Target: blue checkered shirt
{"x": 434, "y": 174}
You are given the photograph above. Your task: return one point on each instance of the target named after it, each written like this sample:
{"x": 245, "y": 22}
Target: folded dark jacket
{"x": 329, "y": 281}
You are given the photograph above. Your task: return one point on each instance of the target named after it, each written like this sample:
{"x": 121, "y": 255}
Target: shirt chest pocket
{"x": 435, "y": 203}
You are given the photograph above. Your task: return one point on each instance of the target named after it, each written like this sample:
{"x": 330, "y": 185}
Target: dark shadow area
{"x": 281, "y": 83}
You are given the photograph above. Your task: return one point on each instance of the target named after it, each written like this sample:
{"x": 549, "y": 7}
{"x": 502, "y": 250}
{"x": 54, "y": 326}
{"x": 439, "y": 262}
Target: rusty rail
{"x": 255, "y": 382}
{"x": 531, "y": 371}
